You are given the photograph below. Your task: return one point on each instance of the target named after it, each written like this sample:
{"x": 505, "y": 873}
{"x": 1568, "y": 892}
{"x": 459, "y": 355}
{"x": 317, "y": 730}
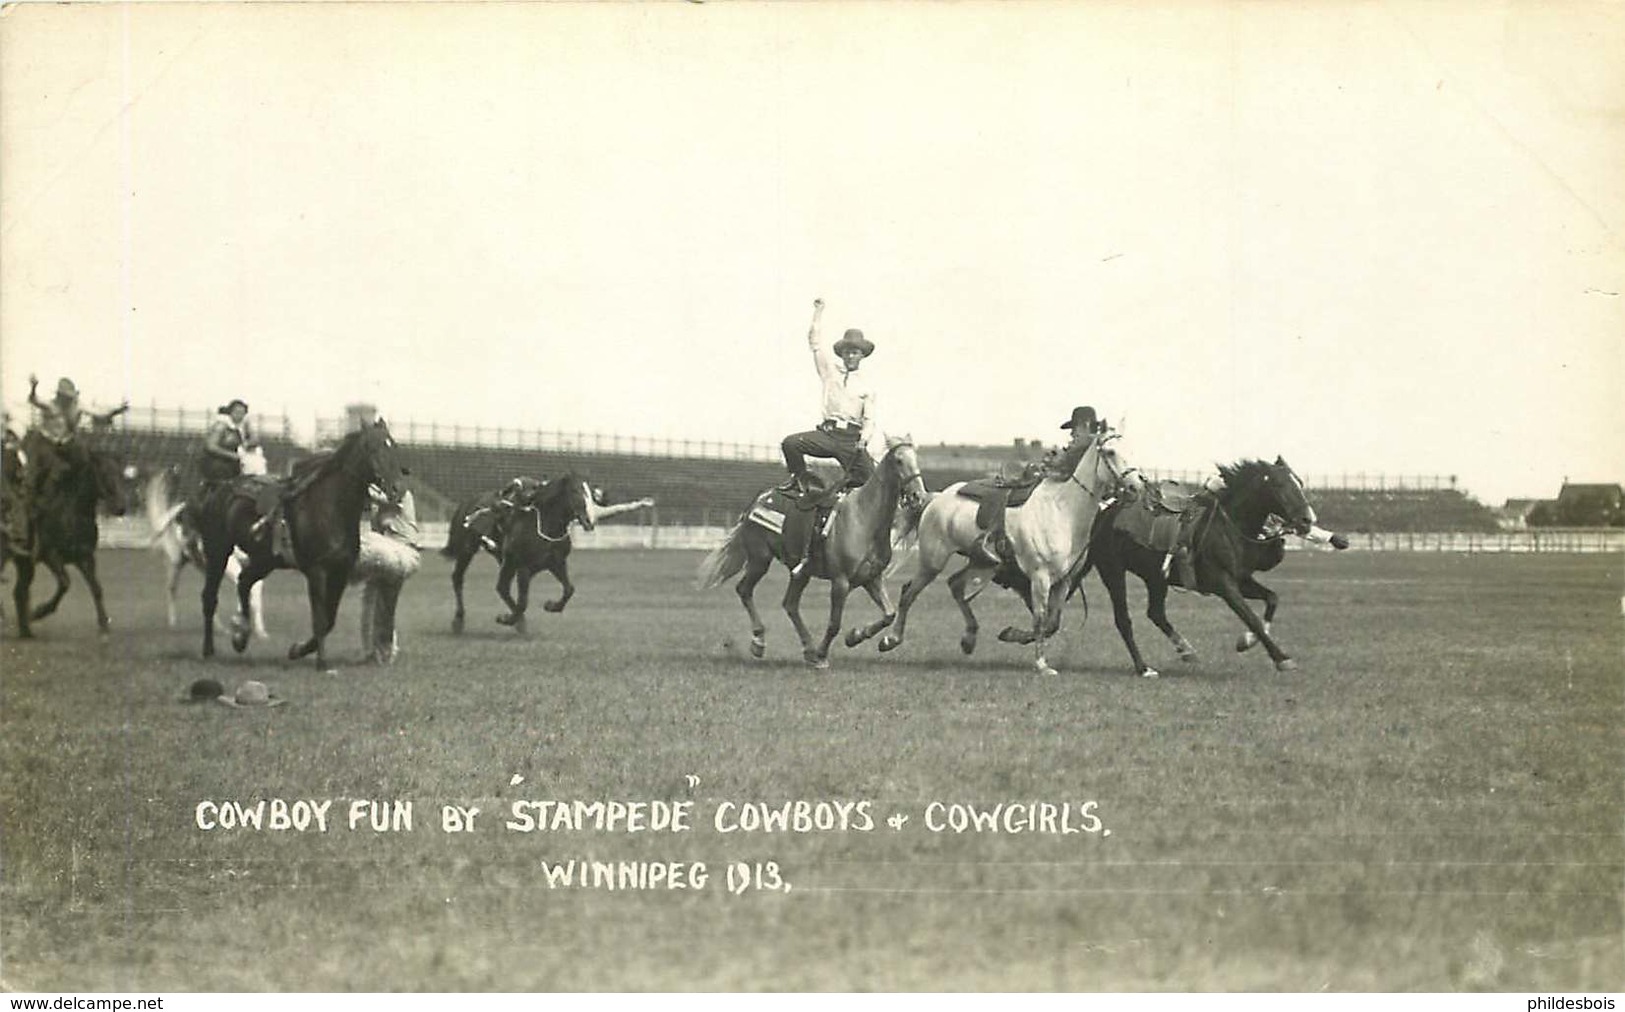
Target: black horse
{"x": 536, "y": 536}
{"x": 322, "y": 503}
{"x": 62, "y": 516}
{"x": 1231, "y": 534}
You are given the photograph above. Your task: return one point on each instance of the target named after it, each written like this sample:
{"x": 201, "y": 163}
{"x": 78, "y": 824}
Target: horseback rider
{"x": 228, "y": 435}
{"x": 1084, "y": 426}
{"x": 485, "y": 520}
{"x": 848, "y": 404}
{"x": 59, "y": 421}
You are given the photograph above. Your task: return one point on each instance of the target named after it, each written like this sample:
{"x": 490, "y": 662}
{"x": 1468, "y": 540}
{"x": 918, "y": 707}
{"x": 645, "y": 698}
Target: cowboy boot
{"x": 985, "y": 549}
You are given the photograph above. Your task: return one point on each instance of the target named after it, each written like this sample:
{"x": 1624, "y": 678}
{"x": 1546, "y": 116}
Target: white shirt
{"x": 848, "y": 398}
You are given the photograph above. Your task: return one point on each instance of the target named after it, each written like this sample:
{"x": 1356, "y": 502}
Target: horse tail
{"x": 161, "y": 515}
{"x": 454, "y": 517}
{"x": 724, "y": 561}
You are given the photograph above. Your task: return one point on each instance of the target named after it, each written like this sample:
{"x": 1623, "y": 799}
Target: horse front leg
{"x": 1156, "y": 609}
{"x": 1048, "y": 621}
{"x": 247, "y": 581}
{"x": 911, "y": 590}
{"x": 457, "y": 571}
{"x": 839, "y": 587}
{"x": 561, "y": 573}
{"x": 1231, "y": 592}
{"x": 1252, "y": 590}
{"x": 876, "y": 589}
{"x": 60, "y": 573}
{"x": 516, "y": 609}
{"x": 756, "y": 567}
{"x": 1113, "y": 576}
{"x": 19, "y": 596}
{"x": 213, "y": 572}
{"x": 965, "y": 585}
{"x": 87, "y": 568}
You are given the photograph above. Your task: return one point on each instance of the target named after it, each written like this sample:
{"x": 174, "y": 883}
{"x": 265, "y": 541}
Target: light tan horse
{"x": 856, "y": 553}
{"x": 1049, "y": 535}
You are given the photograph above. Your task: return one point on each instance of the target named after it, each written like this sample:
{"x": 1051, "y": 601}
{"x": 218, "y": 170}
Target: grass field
{"x": 1432, "y": 802}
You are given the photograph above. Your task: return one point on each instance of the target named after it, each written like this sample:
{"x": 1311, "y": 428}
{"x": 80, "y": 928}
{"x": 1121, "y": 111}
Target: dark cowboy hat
{"x": 225, "y": 409}
{"x": 1082, "y": 418}
{"x": 203, "y": 690}
{"x": 854, "y": 339}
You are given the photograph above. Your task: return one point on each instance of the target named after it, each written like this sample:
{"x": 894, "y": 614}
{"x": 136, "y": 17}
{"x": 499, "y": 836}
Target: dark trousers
{"x": 840, "y": 446}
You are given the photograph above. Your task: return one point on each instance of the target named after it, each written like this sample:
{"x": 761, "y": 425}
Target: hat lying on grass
{"x": 250, "y": 694}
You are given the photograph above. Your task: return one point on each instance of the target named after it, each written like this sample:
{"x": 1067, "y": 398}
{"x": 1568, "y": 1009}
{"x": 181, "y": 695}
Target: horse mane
{"x": 1240, "y": 475}
{"x": 320, "y": 458}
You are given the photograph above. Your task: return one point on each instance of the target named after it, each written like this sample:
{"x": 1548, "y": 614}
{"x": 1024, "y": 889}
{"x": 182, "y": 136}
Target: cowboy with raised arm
{"x": 848, "y": 406}
{"x": 59, "y": 421}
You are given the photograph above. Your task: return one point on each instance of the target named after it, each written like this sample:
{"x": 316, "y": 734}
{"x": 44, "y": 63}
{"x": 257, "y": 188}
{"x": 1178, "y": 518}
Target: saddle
{"x": 997, "y": 494}
{"x": 797, "y": 517}
{"x": 269, "y": 495}
{"x": 1163, "y": 516}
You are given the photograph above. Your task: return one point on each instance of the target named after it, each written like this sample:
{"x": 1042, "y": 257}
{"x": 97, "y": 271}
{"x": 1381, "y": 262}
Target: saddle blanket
{"x": 1154, "y": 528}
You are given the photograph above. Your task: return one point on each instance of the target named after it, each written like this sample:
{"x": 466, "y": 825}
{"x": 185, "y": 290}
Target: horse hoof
{"x": 506, "y": 619}
{"x": 1246, "y": 641}
{"x": 1286, "y": 664}
{"x": 818, "y": 663}
{"x": 889, "y": 643}
{"x": 294, "y": 653}
{"x": 1009, "y": 635}
{"x": 1045, "y": 669}
{"x": 967, "y": 644}
{"x": 457, "y": 624}
{"x": 553, "y": 606}
{"x": 854, "y": 637}
{"x": 758, "y": 649}
{"x": 1150, "y": 673}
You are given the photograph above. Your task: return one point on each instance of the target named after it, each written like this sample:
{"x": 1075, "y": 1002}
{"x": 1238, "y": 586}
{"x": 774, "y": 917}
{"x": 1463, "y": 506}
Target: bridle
{"x": 1119, "y": 479}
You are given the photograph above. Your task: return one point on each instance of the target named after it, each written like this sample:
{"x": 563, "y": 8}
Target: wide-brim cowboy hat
{"x": 1082, "y": 418}
{"x": 65, "y": 390}
{"x": 203, "y": 690}
{"x": 854, "y": 340}
{"x": 250, "y": 694}
{"x": 225, "y": 409}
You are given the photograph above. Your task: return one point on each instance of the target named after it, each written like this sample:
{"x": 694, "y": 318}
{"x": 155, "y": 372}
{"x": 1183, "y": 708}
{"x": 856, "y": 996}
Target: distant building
{"x": 1591, "y": 505}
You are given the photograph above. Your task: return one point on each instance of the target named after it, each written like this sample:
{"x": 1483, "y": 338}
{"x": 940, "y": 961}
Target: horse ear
{"x": 1280, "y": 461}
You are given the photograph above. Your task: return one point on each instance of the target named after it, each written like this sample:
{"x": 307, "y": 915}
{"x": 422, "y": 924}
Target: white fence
{"x": 133, "y": 532}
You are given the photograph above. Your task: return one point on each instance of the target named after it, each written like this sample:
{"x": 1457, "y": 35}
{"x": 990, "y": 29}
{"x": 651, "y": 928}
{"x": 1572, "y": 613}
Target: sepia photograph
{"x": 837, "y": 496}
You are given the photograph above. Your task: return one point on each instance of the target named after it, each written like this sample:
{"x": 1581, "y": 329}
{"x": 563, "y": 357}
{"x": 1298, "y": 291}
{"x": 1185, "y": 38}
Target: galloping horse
{"x": 322, "y": 503}
{"x": 180, "y": 545}
{"x": 1048, "y": 535}
{"x": 536, "y": 536}
{"x": 63, "y": 519}
{"x": 856, "y": 553}
{"x": 1230, "y": 539}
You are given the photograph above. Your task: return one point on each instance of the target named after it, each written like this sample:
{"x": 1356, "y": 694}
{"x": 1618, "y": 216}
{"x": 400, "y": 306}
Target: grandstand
{"x": 707, "y": 484}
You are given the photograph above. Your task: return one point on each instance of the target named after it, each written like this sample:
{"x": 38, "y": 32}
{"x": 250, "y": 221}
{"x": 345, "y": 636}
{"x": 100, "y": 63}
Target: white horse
{"x": 1048, "y": 534}
{"x": 180, "y": 546}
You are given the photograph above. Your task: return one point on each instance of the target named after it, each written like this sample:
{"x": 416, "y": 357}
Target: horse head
{"x": 1103, "y": 471}
{"x": 573, "y": 496}
{"x": 905, "y": 464}
{"x": 108, "y": 475}
{"x": 1274, "y": 489}
{"x": 381, "y": 460}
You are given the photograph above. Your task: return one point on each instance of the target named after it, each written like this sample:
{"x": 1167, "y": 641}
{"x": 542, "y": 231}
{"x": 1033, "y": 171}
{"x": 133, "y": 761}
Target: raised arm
{"x": 598, "y": 512}
{"x": 823, "y": 355}
{"x": 33, "y": 393}
{"x": 106, "y": 418}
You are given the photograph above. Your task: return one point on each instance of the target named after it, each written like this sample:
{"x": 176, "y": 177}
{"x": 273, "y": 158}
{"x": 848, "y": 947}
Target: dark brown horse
{"x": 322, "y": 503}
{"x": 62, "y": 517}
{"x": 1231, "y": 535}
{"x": 536, "y": 537}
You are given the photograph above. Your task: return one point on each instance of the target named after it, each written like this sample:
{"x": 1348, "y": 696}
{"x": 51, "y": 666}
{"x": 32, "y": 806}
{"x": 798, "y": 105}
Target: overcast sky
{"x": 1370, "y": 237}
